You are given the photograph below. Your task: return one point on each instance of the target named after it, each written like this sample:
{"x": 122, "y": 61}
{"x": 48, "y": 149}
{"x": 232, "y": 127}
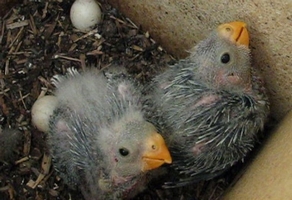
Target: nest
{"x": 38, "y": 41}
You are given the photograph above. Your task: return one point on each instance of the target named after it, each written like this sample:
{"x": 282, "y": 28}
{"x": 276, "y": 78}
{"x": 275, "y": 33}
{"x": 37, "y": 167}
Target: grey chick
{"x": 210, "y": 106}
{"x": 98, "y": 137}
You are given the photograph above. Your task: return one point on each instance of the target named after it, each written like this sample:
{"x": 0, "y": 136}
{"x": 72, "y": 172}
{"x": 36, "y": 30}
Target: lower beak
{"x": 156, "y": 153}
{"x": 235, "y": 31}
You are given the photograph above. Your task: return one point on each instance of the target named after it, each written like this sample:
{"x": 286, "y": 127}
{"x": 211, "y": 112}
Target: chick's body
{"x": 98, "y": 137}
{"x": 210, "y": 106}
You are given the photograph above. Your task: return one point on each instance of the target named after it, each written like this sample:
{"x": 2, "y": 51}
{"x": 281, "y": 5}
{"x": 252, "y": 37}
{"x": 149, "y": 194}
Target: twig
{"x": 21, "y": 52}
{"x": 5, "y": 91}
{"x": 18, "y": 46}
{"x": 21, "y": 61}
{"x": 43, "y": 80}
{"x": 82, "y": 60}
{"x": 16, "y": 37}
{"x": 23, "y": 97}
{"x": 60, "y": 39}
{"x": 2, "y": 31}
{"x": 137, "y": 48}
{"x": 73, "y": 47}
{"x": 26, "y": 158}
{"x": 12, "y": 18}
{"x": 17, "y": 24}
{"x": 32, "y": 25}
{"x": 92, "y": 32}
{"x": 45, "y": 10}
{"x": 4, "y": 188}
{"x": 66, "y": 58}
{"x": 132, "y": 25}
{"x": 43, "y": 93}
{"x": 46, "y": 164}
{"x": 27, "y": 142}
{"x": 95, "y": 52}
{"x": 6, "y": 71}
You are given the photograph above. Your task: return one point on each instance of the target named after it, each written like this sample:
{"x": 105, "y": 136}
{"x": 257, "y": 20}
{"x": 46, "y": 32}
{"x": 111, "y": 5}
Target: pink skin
{"x": 198, "y": 148}
{"x": 229, "y": 79}
{"x": 232, "y": 79}
{"x": 206, "y": 100}
{"x": 117, "y": 180}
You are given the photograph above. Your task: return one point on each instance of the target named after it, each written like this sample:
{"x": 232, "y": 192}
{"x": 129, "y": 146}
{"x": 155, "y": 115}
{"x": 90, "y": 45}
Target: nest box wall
{"x": 178, "y": 25}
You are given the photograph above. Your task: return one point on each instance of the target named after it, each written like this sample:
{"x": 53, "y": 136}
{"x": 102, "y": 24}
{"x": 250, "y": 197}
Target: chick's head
{"x": 223, "y": 58}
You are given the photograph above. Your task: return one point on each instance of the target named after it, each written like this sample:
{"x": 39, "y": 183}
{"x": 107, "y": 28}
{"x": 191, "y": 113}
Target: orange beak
{"x": 235, "y": 31}
{"x": 156, "y": 153}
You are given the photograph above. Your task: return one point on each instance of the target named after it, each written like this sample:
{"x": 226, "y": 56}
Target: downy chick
{"x": 99, "y": 139}
{"x": 210, "y": 106}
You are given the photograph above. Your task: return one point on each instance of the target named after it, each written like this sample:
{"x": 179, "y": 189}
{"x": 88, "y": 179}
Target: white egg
{"x": 42, "y": 110}
{"x": 85, "y": 14}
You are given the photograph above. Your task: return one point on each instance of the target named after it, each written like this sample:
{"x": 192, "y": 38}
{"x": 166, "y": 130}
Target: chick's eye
{"x": 124, "y": 151}
{"x": 225, "y": 58}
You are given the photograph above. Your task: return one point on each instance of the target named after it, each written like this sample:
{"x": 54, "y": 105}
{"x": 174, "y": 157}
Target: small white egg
{"x": 85, "y": 14}
{"x": 41, "y": 112}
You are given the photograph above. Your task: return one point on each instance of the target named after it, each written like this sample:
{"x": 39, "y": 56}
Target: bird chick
{"x": 98, "y": 137}
{"x": 210, "y": 106}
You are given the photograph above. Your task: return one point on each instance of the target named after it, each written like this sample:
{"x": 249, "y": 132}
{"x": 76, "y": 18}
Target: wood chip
{"x": 17, "y": 24}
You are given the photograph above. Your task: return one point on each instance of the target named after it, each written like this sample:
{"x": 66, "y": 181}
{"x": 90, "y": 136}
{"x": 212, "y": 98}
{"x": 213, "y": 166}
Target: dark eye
{"x": 124, "y": 151}
{"x": 225, "y": 58}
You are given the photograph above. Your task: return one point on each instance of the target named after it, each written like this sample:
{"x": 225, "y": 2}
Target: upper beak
{"x": 235, "y": 31}
{"x": 156, "y": 153}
